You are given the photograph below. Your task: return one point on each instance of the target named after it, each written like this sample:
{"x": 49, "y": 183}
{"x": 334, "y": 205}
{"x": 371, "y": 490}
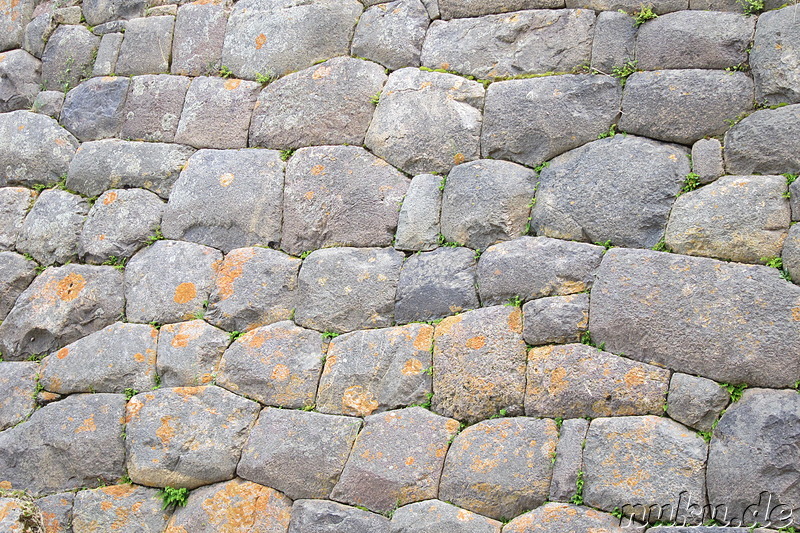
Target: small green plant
{"x": 752, "y": 7}
{"x": 610, "y": 133}
{"x": 427, "y": 403}
{"x": 735, "y": 391}
{"x": 559, "y": 422}
{"x": 130, "y": 393}
{"x": 375, "y": 98}
{"x": 623, "y": 73}
{"x": 155, "y": 237}
{"x": 577, "y": 498}
{"x": 797, "y": 386}
{"x": 287, "y": 154}
{"x": 691, "y": 182}
{"x": 225, "y": 72}
{"x": 442, "y": 183}
{"x": 156, "y": 381}
{"x": 309, "y": 407}
{"x": 541, "y": 166}
{"x": 741, "y": 67}
{"x": 478, "y": 253}
{"x": 515, "y": 301}
{"x": 330, "y": 335}
{"x": 126, "y": 479}
{"x": 790, "y": 178}
{"x": 777, "y": 262}
{"x": 36, "y": 357}
{"x": 586, "y": 338}
{"x": 661, "y": 246}
{"x": 172, "y": 497}
{"x": 428, "y": 370}
{"x": 617, "y": 513}
{"x": 117, "y": 262}
{"x": 233, "y": 335}
{"x": 265, "y": 79}
{"x": 305, "y": 254}
{"x": 644, "y": 14}
{"x": 442, "y": 241}
{"x": 605, "y": 244}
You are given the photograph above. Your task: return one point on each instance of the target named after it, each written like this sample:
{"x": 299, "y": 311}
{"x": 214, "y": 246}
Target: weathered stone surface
{"x": 153, "y": 107}
{"x": 694, "y": 39}
{"x": 93, "y": 110}
{"x": 17, "y": 383}
{"x": 199, "y": 35}
{"x": 49, "y": 103}
{"x": 418, "y": 223}
{"x": 695, "y": 401}
{"x": 427, "y": 121}
{"x": 707, "y": 160}
{"x": 20, "y": 74}
{"x": 515, "y": 458}
{"x": 57, "y": 512}
{"x": 254, "y": 287}
{"x": 709, "y": 529}
{"x": 300, "y": 453}
{"x": 169, "y": 281}
{"x": 562, "y": 518}
{"x": 147, "y": 46}
{"x": 479, "y": 361}
{"x": 119, "y": 507}
{"x": 227, "y": 199}
{"x": 629, "y": 6}
{"x": 748, "y": 340}
{"x": 113, "y": 26}
{"x": 436, "y": 284}
{"x": 107, "y": 54}
{"x": 69, "y": 444}
{"x": 189, "y": 352}
{"x": 343, "y": 289}
{"x": 774, "y": 58}
{"x": 451, "y": 9}
{"x": 619, "y": 189}
{"x": 111, "y": 163}
{"x": 684, "y": 105}
{"x": 211, "y": 102}
{"x": 766, "y": 142}
{"x": 329, "y": 103}
{"x": 67, "y": 15}
{"x": 791, "y": 252}
{"x": 577, "y": 380}
{"x": 276, "y": 365}
{"x": 35, "y": 149}
{"x": 525, "y": 42}
{"x": 62, "y": 305}
{"x": 397, "y": 459}
{"x": 282, "y": 36}
{"x": 186, "y": 436}
{"x": 230, "y": 506}
{"x": 376, "y": 370}
{"x": 432, "y": 516}
{"x": 556, "y": 319}
{"x": 118, "y": 357}
{"x": 669, "y": 459}
{"x": 392, "y": 33}
{"x": 614, "y": 41}
{"x": 13, "y": 18}
{"x": 569, "y": 459}
{"x": 737, "y": 218}
{"x": 533, "y": 120}
{"x": 14, "y": 205}
{"x": 51, "y": 229}
{"x": 98, "y": 12}
{"x": 37, "y": 33}
{"x": 16, "y": 273}
{"x": 68, "y": 57}
{"x": 119, "y": 223}
{"x": 534, "y": 267}
{"x": 321, "y": 516}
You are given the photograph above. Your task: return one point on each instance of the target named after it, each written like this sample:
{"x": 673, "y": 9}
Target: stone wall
{"x": 419, "y": 266}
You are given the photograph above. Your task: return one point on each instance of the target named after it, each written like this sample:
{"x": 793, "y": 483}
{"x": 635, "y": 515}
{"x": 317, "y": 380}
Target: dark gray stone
{"x": 198, "y": 40}
{"x": 57, "y": 512}
{"x": 93, "y": 110}
{"x": 435, "y": 516}
{"x": 119, "y": 507}
{"x": 107, "y": 54}
{"x": 694, "y": 401}
{"x": 98, "y": 12}
{"x": 17, "y": 385}
{"x": 556, "y": 319}
{"x": 112, "y": 26}
{"x": 392, "y": 33}
{"x": 569, "y": 459}
{"x": 189, "y": 353}
{"x": 418, "y": 223}
{"x": 50, "y": 231}
{"x": 37, "y": 33}
{"x": 451, "y": 9}
{"x": 68, "y": 57}
{"x": 20, "y": 75}
{"x": 766, "y": 142}
{"x": 14, "y": 205}
{"x": 774, "y": 58}
{"x": 16, "y": 273}
{"x": 147, "y": 46}
{"x": 321, "y": 516}
{"x": 614, "y": 41}
{"x": 67, "y": 15}
{"x": 14, "y": 16}
{"x": 561, "y": 517}
{"x": 791, "y": 252}
{"x": 153, "y": 107}
{"x": 49, "y": 103}
{"x": 707, "y": 160}
{"x": 629, "y": 6}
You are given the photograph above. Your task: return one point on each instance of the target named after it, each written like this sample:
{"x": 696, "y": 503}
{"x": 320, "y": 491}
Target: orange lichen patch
{"x": 88, "y": 425}
{"x": 5, "y": 485}
{"x": 188, "y": 392}
{"x": 309, "y": 195}
{"x": 464, "y": 516}
{"x": 280, "y": 373}
{"x": 166, "y": 431}
{"x": 62, "y": 353}
{"x": 132, "y": 410}
{"x": 138, "y": 357}
{"x": 444, "y": 327}
{"x": 226, "y": 179}
{"x": 231, "y": 269}
{"x": 515, "y": 321}
{"x": 261, "y": 40}
{"x": 476, "y": 343}
{"x": 452, "y": 426}
{"x": 572, "y": 287}
{"x": 230, "y": 85}
{"x": 424, "y": 338}
{"x": 412, "y": 367}
{"x": 51, "y": 522}
{"x": 69, "y": 287}
{"x": 119, "y": 491}
{"x": 409, "y": 461}
{"x": 185, "y": 292}
{"x": 635, "y": 377}
{"x": 110, "y": 198}
{"x": 796, "y": 314}
{"x": 358, "y": 401}
{"x": 321, "y": 72}
{"x": 188, "y": 331}
{"x": 458, "y": 158}
{"x": 316, "y": 170}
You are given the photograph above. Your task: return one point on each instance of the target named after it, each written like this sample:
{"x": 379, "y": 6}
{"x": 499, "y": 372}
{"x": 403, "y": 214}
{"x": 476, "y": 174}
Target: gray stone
{"x": 432, "y": 6}
{"x": 119, "y": 507}
{"x": 35, "y": 150}
{"x": 68, "y": 57}
{"x": 17, "y": 385}
{"x": 563, "y": 517}
{"x": 397, "y": 459}
{"x": 37, "y": 33}
{"x": 577, "y": 380}
{"x": 718, "y": 5}
{"x": 791, "y": 252}
{"x": 16, "y": 273}
{"x": 694, "y": 401}
{"x": 227, "y": 199}
{"x": 112, "y": 26}
{"x": 614, "y": 41}
{"x": 254, "y": 287}
{"x": 479, "y": 362}
{"x": 20, "y": 74}
{"x": 51, "y": 229}
{"x": 525, "y": 42}
{"x": 62, "y": 305}
{"x": 708, "y": 529}
{"x": 73, "y": 443}
{"x": 436, "y": 284}
{"x": 14, "y": 16}
{"x": 112, "y": 163}
{"x": 119, "y": 223}
{"x": 376, "y": 370}
{"x": 118, "y": 357}
{"x": 694, "y": 39}
{"x": 57, "y": 512}
{"x": 299, "y": 453}
{"x": 147, "y": 46}
{"x": 93, "y": 110}
{"x": 186, "y": 436}
{"x": 98, "y": 12}
{"x": 14, "y": 205}
{"x": 343, "y": 289}
{"x": 340, "y": 196}
{"x": 211, "y": 102}
{"x": 645, "y": 304}
{"x": 736, "y": 218}
{"x": 451, "y": 9}
{"x": 774, "y": 58}
{"x": 18, "y": 513}
{"x": 276, "y": 365}
{"x": 535, "y": 267}
{"x": 392, "y": 33}
{"x": 533, "y": 120}
{"x": 418, "y": 223}
{"x": 169, "y": 281}
{"x": 427, "y": 121}
{"x": 670, "y": 467}
{"x": 556, "y": 319}
{"x": 619, "y": 189}
{"x": 707, "y": 160}
{"x": 766, "y": 142}
{"x": 198, "y": 40}
{"x": 514, "y": 458}
{"x": 684, "y": 106}
{"x": 754, "y": 451}
{"x": 435, "y": 516}
{"x": 282, "y": 36}
{"x": 189, "y": 352}
{"x": 153, "y": 107}
{"x": 329, "y": 103}
{"x": 67, "y": 15}
{"x": 321, "y": 516}
{"x": 49, "y": 103}
{"x": 107, "y": 54}
{"x": 794, "y": 200}
{"x": 487, "y": 201}
{"x": 166, "y": 9}
{"x": 569, "y": 459}
{"x": 629, "y": 6}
